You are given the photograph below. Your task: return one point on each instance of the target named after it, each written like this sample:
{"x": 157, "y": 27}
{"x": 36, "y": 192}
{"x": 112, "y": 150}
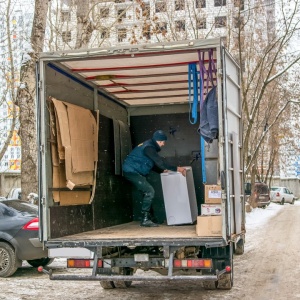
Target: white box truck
{"x": 93, "y": 106}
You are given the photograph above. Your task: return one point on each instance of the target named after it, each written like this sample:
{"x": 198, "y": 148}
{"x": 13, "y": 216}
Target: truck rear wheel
{"x": 107, "y": 284}
{"x": 209, "y": 285}
{"x": 124, "y": 284}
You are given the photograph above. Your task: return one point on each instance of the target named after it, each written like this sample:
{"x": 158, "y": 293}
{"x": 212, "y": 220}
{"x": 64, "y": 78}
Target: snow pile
{"x": 256, "y": 219}
{"x": 259, "y": 216}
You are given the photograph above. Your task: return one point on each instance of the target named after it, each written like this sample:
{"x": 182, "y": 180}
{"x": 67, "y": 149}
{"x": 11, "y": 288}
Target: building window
{"x": 160, "y": 6}
{"x": 146, "y": 10}
{"x": 104, "y": 12}
{"x": 179, "y": 4}
{"x": 104, "y": 33}
{"x": 180, "y": 25}
{"x": 20, "y": 21}
{"x": 200, "y": 3}
{"x": 66, "y": 36}
{"x": 239, "y": 3}
{"x": 201, "y": 23}
{"x": 220, "y": 22}
{"x": 220, "y": 2}
{"x": 161, "y": 27}
{"x": 122, "y": 34}
{"x": 121, "y": 14}
{"x": 65, "y": 16}
{"x": 146, "y": 31}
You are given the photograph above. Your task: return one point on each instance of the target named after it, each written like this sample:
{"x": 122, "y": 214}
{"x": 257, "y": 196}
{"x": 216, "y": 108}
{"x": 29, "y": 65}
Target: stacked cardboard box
{"x": 209, "y": 224}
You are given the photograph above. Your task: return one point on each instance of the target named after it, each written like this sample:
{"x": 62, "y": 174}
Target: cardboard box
{"x": 213, "y": 194}
{"x": 211, "y": 209}
{"x": 209, "y": 226}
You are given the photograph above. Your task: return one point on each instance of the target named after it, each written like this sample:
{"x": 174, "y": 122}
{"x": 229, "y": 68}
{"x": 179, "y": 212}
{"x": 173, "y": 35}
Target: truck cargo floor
{"x": 133, "y": 230}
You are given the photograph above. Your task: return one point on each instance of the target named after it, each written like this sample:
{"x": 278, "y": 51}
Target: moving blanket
{"x": 209, "y": 121}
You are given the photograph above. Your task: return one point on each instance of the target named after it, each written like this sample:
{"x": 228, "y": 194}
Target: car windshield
{"x": 22, "y": 206}
{"x": 275, "y": 189}
{"x": 262, "y": 189}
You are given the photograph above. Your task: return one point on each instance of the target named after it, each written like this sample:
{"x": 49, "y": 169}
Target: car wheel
{"x": 9, "y": 263}
{"x": 282, "y": 202}
{"x": 45, "y": 261}
{"x": 293, "y": 202}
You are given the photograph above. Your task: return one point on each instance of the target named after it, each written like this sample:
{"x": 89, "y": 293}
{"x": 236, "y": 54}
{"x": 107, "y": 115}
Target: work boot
{"x": 146, "y": 220}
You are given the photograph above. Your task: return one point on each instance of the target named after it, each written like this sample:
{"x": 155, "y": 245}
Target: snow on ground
{"x": 259, "y": 216}
{"x": 256, "y": 219}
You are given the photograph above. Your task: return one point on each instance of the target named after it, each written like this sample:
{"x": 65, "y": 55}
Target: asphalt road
{"x": 269, "y": 269}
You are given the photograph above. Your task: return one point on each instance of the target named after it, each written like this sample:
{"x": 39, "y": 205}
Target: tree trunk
{"x": 27, "y": 104}
{"x": 85, "y": 26}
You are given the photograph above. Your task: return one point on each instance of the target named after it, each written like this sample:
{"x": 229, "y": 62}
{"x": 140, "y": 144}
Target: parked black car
{"x": 19, "y": 240}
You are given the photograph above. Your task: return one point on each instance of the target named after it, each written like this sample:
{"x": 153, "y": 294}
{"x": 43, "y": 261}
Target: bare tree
{"x": 266, "y": 60}
{"x": 27, "y": 102}
{"x": 262, "y": 52}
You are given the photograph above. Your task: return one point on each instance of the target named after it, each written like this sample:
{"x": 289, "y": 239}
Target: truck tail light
{"x": 82, "y": 263}
{"x": 193, "y": 263}
{"x": 32, "y": 225}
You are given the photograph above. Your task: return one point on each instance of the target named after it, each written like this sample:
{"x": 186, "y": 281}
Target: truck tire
{"x": 107, "y": 284}
{"x": 209, "y": 285}
{"x": 124, "y": 284}
{"x": 9, "y": 263}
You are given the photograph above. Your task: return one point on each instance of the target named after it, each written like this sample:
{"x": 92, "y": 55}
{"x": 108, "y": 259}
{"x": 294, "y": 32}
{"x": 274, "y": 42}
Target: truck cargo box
{"x": 94, "y": 106}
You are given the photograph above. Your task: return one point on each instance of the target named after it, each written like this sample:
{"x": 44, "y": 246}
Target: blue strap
{"x": 202, "y": 147}
{"x": 193, "y": 85}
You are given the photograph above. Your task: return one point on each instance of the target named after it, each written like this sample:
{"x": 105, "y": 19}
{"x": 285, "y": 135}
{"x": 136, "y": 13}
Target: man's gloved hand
{"x": 182, "y": 171}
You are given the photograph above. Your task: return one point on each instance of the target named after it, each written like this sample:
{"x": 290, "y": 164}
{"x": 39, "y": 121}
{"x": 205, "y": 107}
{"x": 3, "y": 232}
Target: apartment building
{"x": 14, "y": 44}
{"x": 119, "y": 22}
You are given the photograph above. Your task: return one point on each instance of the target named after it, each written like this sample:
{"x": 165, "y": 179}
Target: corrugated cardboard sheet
{"x": 74, "y": 136}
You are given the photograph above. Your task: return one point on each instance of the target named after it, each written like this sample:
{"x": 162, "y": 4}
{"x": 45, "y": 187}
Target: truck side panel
{"x": 233, "y": 143}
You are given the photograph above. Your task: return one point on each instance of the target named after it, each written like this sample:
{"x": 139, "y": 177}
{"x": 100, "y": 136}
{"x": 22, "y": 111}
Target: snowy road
{"x": 269, "y": 269}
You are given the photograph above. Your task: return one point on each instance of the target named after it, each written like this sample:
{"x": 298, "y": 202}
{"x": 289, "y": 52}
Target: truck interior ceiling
{"x": 115, "y": 101}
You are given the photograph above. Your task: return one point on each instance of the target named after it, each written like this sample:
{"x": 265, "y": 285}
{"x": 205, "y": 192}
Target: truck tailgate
{"x": 133, "y": 234}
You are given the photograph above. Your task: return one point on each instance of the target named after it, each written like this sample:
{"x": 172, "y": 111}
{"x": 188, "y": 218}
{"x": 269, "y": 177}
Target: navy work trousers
{"x": 140, "y": 182}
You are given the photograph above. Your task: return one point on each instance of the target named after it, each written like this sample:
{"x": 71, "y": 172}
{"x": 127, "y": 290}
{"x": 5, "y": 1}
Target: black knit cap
{"x": 159, "y": 135}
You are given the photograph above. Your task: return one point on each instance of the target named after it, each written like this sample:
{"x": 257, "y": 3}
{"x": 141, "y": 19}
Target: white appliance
{"x": 179, "y": 197}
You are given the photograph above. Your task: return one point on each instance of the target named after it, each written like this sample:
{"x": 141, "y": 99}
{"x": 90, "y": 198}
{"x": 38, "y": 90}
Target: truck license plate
{"x": 141, "y": 257}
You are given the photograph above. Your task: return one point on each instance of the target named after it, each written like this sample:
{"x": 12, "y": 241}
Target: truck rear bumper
{"x": 132, "y": 278}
